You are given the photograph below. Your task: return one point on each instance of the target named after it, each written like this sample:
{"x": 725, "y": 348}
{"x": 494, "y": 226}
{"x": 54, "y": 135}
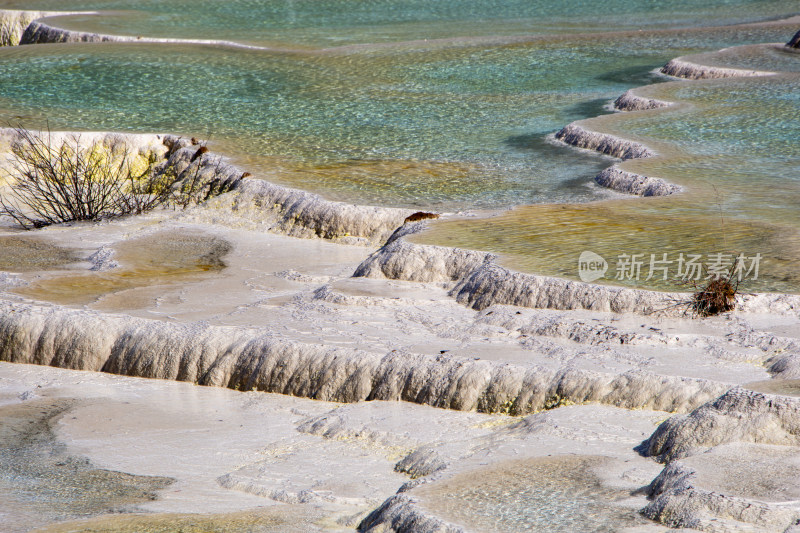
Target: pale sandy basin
{"x": 198, "y": 439}
{"x": 216, "y": 459}
{"x": 437, "y": 391}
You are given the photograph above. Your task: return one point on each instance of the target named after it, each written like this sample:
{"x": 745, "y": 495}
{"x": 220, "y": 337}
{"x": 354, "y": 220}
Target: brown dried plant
{"x": 52, "y": 182}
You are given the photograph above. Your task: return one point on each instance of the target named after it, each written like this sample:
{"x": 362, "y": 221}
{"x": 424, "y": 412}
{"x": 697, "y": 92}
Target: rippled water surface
{"x": 411, "y": 117}
{"x": 451, "y": 127}
{"x": 328, "y": 23}
{"x": 549, "y": 240}
{"x": 543, "y": 495}
{"x": 445, "y": 105}
{"x": 729, "y": 142}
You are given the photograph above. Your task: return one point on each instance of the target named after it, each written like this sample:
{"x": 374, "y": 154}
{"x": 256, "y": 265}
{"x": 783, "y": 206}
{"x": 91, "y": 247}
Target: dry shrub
{"x": 714, "y": 295}
{"x": 52, "y": 182}
{"x": 718, "y": 296}
{"x": 66, "y": 181}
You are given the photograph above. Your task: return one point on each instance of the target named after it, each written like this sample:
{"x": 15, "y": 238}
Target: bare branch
{"x": 69, "y": 181}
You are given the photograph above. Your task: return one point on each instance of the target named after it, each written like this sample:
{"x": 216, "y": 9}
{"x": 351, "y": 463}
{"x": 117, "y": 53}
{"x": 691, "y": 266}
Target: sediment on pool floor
{"x": 547, "y": 494}
{"x": 46, "y": 483}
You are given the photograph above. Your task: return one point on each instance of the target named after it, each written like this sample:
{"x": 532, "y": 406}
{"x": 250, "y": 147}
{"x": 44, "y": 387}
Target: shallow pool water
{"x": 43, "y": 483}
{"x": 159, "y": 260}
{"x": 549, "y": 239}
{"x": 728, "y": 142}
{"x": 457, "y": 123}
{"x": 279, "y": 519}
{"x": 477, "y": 115}
{"x": 326, "y": 23}
{"x": 786, "y": 387}
{"x": 26, "y": 253}
{"x": 549, "y": 494}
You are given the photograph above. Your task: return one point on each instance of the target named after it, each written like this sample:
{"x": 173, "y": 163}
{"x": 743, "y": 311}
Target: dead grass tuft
{"x": 718, "y": 296}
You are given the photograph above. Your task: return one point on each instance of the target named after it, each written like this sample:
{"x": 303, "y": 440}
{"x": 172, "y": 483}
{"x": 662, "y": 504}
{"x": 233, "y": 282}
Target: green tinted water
{"x": 452, "y": 127}
{"x": 325, "y": 23}
{"x": 453, "y": 124}
{"x": 729, "y": 142}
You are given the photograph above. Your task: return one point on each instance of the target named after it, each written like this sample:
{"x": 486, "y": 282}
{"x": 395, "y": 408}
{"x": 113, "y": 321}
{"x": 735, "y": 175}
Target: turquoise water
{"x": 449, "y": 127}
{"x": 337, "y": 22}
{"x": 729, "y": 142}
{"x": 764, "y": 58}
{"x": 734, "y": 135}
{"x": 447, "y": 123}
